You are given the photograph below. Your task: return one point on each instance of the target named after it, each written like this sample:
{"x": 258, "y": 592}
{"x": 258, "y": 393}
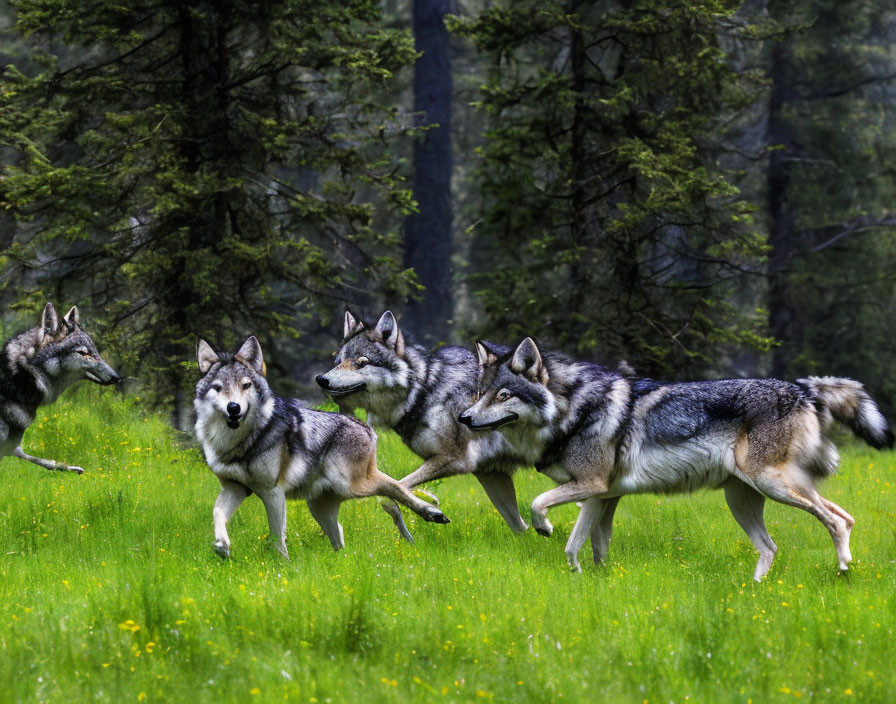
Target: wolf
{"x": 420, "y": 394}
{"x": 601, "y": 435}
{"x": 37, "y": 366}
{"x": 256, "y": 442}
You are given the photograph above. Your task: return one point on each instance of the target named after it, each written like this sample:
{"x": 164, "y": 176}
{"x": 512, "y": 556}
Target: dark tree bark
{"x": 428, "y": 238}
{"x": 783, "y": 323}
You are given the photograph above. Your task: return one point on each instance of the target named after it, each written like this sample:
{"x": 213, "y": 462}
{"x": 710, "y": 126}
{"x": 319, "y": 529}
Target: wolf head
{"x": 61, "y": 351}
{"x": 370, "y": 361}
{"x": 513, "y": 388}
{"x": 233, "y": 390}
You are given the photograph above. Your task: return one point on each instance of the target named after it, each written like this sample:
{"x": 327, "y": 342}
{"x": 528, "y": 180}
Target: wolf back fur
{"x": 601, "y": 435}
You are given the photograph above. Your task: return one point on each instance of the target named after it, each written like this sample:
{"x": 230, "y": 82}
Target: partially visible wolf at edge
{"x": 601, "y": 435}
{"x": 37, "y": 366}
{"x": 256, "y": 442}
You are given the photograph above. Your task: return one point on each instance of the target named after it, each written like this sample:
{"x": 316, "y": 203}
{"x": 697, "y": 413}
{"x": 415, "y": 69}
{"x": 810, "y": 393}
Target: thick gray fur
{"x": 601, "y": 435}
{"x": 420, "y": 394}
{"x": 256, "y": 442}
{"x": 36, "y": 367}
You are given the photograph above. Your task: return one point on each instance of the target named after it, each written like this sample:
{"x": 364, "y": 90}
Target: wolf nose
{"x": 233, "y": 409}
{"x": 466, "y": 420}
{"x": 322, "y": 381}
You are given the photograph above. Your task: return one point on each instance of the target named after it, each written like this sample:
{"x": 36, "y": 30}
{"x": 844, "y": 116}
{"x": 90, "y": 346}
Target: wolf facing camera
{"x": 37, "y": 366}
{"x": 256, "y": 442}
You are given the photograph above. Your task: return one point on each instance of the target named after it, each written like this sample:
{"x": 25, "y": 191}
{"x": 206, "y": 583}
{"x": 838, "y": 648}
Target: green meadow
{"x": 111, "y": 590}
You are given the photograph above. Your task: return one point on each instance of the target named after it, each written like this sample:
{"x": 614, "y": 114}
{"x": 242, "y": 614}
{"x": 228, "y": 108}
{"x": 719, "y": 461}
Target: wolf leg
{"x": 589, "y": 517}
{"x": 563, "y": 494}
{"x": 274, "y": 501}
{"x": 747, "y": 506}
{"x": 46, "y": 464}
{"x": 432, "y": 468}
{"x": 228, "y": 501}
{"x": 603, "y": 531}
{"x": 325, "y": 510}
{"x": 780, "y": 484}
{"x": 500, "y": 490}
{"x": 377, "y": 483}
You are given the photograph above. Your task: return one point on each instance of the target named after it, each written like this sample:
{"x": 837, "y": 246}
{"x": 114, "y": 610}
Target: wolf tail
{"x": 848, "y": 402}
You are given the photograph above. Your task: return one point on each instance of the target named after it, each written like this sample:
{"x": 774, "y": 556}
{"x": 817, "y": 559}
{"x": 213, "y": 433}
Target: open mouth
{"x": 233, "y": 422}
{"x": 346, "y": 390}
{"x": 494, "y": 424}
{"x": 95, "y": 379}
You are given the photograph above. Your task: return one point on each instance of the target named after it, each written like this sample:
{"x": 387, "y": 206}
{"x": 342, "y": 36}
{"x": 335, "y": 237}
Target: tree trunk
{"x": 783, "y": 324}
{"x": 428, "y": 234}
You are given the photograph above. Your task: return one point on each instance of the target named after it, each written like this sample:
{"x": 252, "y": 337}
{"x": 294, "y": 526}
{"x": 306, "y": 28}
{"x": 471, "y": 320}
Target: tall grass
{"x": 111, "y": 591}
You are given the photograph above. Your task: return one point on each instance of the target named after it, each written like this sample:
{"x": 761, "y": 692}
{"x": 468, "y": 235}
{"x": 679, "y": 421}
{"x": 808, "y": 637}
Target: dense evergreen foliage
{"x": 698, "y": 187}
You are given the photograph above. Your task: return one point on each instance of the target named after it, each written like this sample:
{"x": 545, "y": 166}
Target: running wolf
{"x": 419, "y": 395}
{"x": 37, "y": 366}
{"x": 257, "y": 442}
{"x": 601, "y": 435}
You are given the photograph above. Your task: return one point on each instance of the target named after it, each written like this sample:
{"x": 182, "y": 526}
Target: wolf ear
{"x": 250, "y": 354}
{"x": 352, "y": 325}
{"x": 72, "y": 318}
{"x": 527, "y": 361}
{"x": 387, "y": 327}
{"x": 486, "y": 353}
{"x": 49, "y": 321}
{"x": 206, "y": 356}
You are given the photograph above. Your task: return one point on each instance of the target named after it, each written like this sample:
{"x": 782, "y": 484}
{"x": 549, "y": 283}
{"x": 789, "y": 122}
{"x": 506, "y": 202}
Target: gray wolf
{"x": 419, "y": 395}
{"x": 601, "y": 436}
{"x": 257, "y": 442}
{"x": 37, "y": 366}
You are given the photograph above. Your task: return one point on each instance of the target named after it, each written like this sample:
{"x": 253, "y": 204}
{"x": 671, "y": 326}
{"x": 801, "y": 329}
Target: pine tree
{"x": 606, "y": 216}
{"x": 204, "y": 168}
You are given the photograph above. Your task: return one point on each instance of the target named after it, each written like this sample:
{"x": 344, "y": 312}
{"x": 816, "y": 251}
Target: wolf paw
{"x": 433, "y": 515}
{"x": 543, "y": 527}
{"x": 72, "y": 468}
{"x": 222, "y": 549}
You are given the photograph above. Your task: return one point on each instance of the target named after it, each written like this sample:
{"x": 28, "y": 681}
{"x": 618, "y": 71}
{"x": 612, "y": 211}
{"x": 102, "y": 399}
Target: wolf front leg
{"x": 228, "y": 501}
{"x": 274, "y": 501}
{"x": 47, "y": 464}
{"x": 434, "y": 468}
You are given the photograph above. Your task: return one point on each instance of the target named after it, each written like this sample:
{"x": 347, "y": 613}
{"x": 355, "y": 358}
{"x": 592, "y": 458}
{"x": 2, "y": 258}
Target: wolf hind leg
{"x": 325, "y": 510}
{"x": 228, "y": 501}
{"x": 563, "y": 494}
{"x": 501, "y": 492}
{"x": 376, "y": 483}
{"x": 747, "y": 507}
{"x": 786, "y": 486}
{"x": 52, "y": 465}
{"x": 433, "y": 468}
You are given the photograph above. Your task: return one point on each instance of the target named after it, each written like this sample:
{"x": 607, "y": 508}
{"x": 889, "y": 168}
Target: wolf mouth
{"x": 346, "y": 390}
{"x": 233, "y": 422}
{"x": 102, "y": 382}
{"x": 493, "y": 424}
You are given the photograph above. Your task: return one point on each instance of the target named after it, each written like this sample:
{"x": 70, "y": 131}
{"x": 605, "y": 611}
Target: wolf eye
{"x": 83, "y": 353}
{"x": 362, "y": 362}
{"x": 247, "y": 385}
{"x": 217, "y": 387}
{"x": 503, "y": 395}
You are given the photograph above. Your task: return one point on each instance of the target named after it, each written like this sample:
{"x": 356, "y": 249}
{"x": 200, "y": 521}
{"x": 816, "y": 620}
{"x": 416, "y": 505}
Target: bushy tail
{"x": 848, "y": 402}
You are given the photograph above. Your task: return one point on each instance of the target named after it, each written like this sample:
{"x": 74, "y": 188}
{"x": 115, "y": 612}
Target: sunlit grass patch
{"x": 111, "y": 591}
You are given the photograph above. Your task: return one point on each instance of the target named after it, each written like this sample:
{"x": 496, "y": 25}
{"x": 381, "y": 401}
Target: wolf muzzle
{"x": 324, "y": 383}
{"x": 468, "y": 421}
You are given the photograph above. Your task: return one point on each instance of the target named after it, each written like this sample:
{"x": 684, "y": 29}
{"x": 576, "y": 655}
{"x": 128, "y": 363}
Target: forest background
{"x": 700, "y": 188}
